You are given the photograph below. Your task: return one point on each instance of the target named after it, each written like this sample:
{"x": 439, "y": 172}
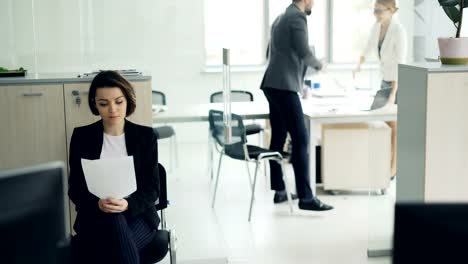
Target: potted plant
{"x": 454, "y": 50}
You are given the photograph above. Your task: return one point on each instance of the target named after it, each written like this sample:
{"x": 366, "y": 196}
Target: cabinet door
{"x": 32, "y": 130}
{"x": 446, "y": 145}
{"x": 77, "y": 111}
{"x": 143, "y": 113}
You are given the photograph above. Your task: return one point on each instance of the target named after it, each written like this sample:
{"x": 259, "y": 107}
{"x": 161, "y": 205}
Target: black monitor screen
{"x": 32, "y": 222}
{"x": 431, "y": 233}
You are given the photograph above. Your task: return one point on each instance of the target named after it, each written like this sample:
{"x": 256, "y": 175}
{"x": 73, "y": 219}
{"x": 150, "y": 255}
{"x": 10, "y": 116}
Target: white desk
{"x": 317, "y": 116}
{"x": 199, "y": 112}
{"x": 316, "y": 111}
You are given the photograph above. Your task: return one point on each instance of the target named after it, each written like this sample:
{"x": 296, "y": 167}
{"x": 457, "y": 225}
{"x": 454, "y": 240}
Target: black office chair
{"x": 250, "y": 129}
{"x": 239, "y": 96}
{"x": 238, "y": 149}
{"x": 159, "y": 98}
{"x": 164, "y": 241}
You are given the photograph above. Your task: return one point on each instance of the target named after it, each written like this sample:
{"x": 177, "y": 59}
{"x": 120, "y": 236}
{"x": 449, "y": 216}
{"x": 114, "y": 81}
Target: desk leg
{"x": 313, "y": 132}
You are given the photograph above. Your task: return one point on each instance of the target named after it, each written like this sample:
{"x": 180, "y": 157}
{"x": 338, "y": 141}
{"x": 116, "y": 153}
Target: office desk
{"x": 316, "y": 111}
{"x": 248, "y": 110}
{"x": 319, "y": 115}
{"x": 199, "y": 112}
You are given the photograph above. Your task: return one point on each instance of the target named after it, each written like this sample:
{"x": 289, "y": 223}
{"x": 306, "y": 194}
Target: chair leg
{"x": 217, "y": 180}
{"x": 171, "y": 166}
{"x": 210, "y": 156}
{"x": 261, "y": 136}
{"x": 288, "y": 190}
{"x": 163, "y": 220}
{"x": 172, "y": 247}
{"x": 176, "y": 151}
{"x": 253, "y": 189}
{"x": 248, "y": 173}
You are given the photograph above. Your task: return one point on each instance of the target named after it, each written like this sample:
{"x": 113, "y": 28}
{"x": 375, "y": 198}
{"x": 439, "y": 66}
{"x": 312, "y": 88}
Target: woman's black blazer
{"x": 142, "y": 144}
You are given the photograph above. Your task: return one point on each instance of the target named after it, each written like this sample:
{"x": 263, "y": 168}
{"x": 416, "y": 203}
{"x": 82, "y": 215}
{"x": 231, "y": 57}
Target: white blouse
{"x": 113, "y": 147}
{"x": 393, "y": 51}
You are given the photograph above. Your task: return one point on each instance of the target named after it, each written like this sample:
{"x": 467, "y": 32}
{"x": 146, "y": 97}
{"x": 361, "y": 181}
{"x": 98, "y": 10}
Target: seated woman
{"x": 113, "y": 230}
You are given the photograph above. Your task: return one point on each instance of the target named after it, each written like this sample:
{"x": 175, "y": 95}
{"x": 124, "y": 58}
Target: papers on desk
{"x": 129, "y": 72}
{"x": 110, "y": 178}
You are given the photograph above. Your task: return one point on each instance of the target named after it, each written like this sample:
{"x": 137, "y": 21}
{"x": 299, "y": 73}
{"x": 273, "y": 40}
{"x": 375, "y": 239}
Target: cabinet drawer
{"x": 32, "y": 130}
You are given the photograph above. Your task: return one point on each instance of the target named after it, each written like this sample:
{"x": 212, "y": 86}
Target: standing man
{"x": 289, "y": 57}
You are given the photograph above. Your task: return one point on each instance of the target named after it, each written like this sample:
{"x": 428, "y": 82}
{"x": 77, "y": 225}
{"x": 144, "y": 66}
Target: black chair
{"x": 239, "y": 96}
{"x": 159, "y": 98}
{"x": 240, "y": 150}
{"x": 250, "y": 129}
{"x": 164, "y": 241}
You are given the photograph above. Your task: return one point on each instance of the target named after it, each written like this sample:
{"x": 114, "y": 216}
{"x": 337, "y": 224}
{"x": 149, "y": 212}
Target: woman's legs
{"x": 111, "y": 238}
{"x": 393, "y": 126}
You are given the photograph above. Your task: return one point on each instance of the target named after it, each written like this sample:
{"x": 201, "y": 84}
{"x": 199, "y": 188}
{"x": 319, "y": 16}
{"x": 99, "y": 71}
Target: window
{"x": 316, "y": 22}
{"x": 338, "y": 29}
{"x": 238, "y": 25}
{"x": 352, "y": 22}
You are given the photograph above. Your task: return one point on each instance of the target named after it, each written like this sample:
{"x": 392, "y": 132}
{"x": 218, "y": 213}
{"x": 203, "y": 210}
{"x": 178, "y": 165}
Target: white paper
{"x": 110, "y": 178}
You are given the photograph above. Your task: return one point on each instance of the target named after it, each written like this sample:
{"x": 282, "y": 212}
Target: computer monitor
{"x": 430, "y": 233}
{"x": 32, "y": 215}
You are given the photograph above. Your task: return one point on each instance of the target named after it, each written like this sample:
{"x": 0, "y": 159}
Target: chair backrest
{"x": 215, "y": 119}
{"x": 162, "y": 203}
{"x": 236, "y": 96}
{"x": 159, "y": 98}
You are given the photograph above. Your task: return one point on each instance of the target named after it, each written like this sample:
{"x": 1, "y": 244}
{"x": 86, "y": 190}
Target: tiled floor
{"x": 223, "y": 234}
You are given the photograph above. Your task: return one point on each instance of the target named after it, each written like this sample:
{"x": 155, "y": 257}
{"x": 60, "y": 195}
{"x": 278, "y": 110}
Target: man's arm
{"x": 300, "y": 38}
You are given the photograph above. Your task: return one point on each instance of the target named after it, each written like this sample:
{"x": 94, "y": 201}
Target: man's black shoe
{"x": 281, "y": 197}
{"x": 314, "y": 204}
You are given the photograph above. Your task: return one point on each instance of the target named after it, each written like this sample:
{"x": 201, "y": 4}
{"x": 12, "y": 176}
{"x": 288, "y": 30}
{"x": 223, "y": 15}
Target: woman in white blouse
{"x": 388, "y": 41}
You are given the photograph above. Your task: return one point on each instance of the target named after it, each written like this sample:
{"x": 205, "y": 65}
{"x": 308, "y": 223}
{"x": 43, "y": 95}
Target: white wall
{"x": 430, "y": 23}
{"x": 406, "y": 16}
{"x": 163, "y": 38}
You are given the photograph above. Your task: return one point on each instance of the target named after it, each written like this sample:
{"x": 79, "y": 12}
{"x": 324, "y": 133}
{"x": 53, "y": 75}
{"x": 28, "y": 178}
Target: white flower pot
{"x": 453, "y": 50}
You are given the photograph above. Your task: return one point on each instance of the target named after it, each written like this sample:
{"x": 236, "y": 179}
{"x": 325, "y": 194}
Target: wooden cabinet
{"x": 432, "y": 133}
{"x": 32, "y": 125}
{"x": 37, "y": 121}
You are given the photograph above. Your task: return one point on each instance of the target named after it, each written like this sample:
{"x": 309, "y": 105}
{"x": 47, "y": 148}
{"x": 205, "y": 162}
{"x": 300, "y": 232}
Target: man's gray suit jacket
{"x": 289, "y": 52}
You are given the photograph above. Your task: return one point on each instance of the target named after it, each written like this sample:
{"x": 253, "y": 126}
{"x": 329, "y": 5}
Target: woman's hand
{"x": 362, "y": 59}
{"x": 111, "y": 205}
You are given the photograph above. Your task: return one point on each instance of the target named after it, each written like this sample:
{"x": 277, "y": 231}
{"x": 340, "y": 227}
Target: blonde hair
{"x": 388, "y": 3}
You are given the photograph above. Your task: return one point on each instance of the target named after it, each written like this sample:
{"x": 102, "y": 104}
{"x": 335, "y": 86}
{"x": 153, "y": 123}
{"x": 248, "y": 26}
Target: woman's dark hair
{"x": 108, "y": 79}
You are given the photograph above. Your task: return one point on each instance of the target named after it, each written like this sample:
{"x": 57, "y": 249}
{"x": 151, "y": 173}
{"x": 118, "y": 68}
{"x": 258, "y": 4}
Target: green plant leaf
{"x": 449, "y": 2}
{"x": 452, "y": 12}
